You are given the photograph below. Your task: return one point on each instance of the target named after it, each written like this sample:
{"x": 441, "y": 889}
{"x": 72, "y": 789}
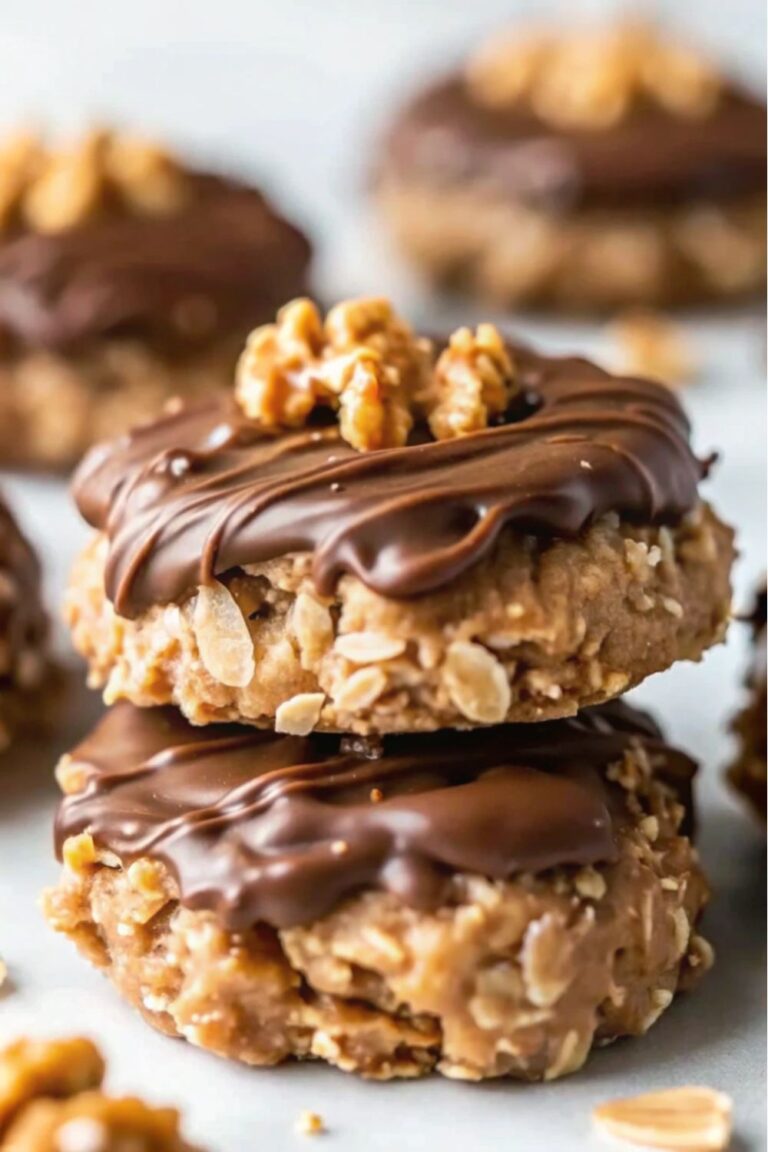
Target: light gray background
{"x": 292, "y": 91}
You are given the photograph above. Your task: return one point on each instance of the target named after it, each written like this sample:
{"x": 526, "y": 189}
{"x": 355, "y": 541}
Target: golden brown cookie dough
{"x": 535, "y": 631}
{"x": 481, "y": 535}
{"x": 126, "y": 278}
{"x": 26, "y": 672}
{"x": 581, "y": 170}
{"x": 51, "y": 1099}
{"x": 511, "y": 977}
{"x": 748, "y": 773}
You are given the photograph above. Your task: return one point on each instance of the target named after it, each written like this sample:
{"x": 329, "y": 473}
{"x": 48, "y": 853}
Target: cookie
{"x": 581, "y": 170}
{"x": 51, "y": 1099}
{"x": 480, "y": 536}
{"x": 25, "y": 668}
{"x": 748, "y": 773}
{"x": 126, "y": 278}
{"x": 487, "y": 903}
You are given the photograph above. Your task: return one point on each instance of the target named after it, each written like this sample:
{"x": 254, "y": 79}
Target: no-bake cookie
{"x": 126, "y": 277}
{"x": 487, "y": 903}
{"x": 24, "y": 665}
{"x": 377, "y": 536}
{"x": 748, "y": 773}
{"x": 581, "y": 169}
{"x": 51, "y": 1100}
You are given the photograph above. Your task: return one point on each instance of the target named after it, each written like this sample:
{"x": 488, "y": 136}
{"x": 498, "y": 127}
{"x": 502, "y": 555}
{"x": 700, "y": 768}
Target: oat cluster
{"x": 51, "y": 1101}
{"x": 365, "y": 363}
{"x": 591, "y": 79}
{"x": 54, "y": 189}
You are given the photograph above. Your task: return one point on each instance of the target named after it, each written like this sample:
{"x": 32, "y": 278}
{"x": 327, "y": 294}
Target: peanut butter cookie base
{"x": 518, "y": 978}
{"x": 535, "y": 631}
{"x": 54, "y": 406}
{"x": 591, "y": 260}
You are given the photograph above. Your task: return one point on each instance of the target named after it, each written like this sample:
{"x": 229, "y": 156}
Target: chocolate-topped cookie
{"x": 270, "y": 896}
{"x": 749, "y": 772}
{"x": 581, "y": 169}
{"x": 126, "y": 278}
{"x": 24, "y": 665}
{"x": 375, "y": 536}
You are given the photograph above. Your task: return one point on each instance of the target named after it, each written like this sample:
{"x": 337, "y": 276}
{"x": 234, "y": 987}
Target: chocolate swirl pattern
{"x": 259, "y": 827}
{"x": 205, "y": 490}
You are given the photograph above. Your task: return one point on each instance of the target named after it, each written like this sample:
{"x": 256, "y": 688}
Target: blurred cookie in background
{"x": 29, "y": 684}
{"x": 748, "y": 773}
{"x": 581, "y": 169}
{"x": 126, "y": 278}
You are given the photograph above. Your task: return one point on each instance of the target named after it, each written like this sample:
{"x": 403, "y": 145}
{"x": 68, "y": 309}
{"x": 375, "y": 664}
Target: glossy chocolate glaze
{"x": 126, "y": 274}
{"x": 260, "y": 827}
{"x": 205, "y": 490}
{"x": 649, "y": 157}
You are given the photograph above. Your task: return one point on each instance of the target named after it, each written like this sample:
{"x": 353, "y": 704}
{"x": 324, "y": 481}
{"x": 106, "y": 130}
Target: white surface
{"x": 285, "y": 87}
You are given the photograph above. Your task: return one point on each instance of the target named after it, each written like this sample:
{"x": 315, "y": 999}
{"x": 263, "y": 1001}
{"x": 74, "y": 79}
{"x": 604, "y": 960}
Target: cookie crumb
{"x": 677, "y": 1118}
{"x": 310, "y": 1124}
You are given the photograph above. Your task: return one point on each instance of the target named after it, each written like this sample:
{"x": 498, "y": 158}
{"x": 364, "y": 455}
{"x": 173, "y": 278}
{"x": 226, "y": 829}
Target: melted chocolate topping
{"x": 260, "y": 827}
{"x": 443, "y": 136}
{"x": 225, "y": 250}
{"x": 205, "y": 490}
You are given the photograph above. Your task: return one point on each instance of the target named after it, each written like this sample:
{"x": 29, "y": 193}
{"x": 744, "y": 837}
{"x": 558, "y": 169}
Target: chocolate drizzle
{"x": 204, "y": 490}
{"x": 225, "y": 251}
{"x": 259, "y": 827}
{"x": 649, "y": 157}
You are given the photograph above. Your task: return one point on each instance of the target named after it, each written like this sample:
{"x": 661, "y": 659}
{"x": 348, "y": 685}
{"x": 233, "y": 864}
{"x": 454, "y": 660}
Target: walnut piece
{"x": 50, "y": 1101}
{"x": 650, "y": 345}
{"x": 50, "y": 1068}
{"x": 689, "y": 1117}
{"x": 592, "y": 79}
{"x": 55, "y": 189}
{"x": 362, "y": 361}
{"x": 473, "y": 382}
{"x": 365, "y": 363}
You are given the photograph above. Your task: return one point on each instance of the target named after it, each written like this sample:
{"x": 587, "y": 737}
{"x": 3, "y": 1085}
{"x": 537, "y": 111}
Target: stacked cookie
{"x": 365, "y": 793}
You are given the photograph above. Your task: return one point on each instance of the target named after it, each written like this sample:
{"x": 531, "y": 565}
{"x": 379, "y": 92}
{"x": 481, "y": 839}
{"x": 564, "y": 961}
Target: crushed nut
{"x": 678, "y": 1118}
{"x": 51, "y": 1101}
{"x": 473, "y": 382}
{"x": 222, "y": 635}
{"x": 361, "y": 690}
{"x": 591, "y": 79}
{"x": 310, "y": 1124}
{"x": 650, "y": 345}
{"x": 52, "y": 1068}
{"x": 55, "y": 189}
{"x": 363, "y": 361}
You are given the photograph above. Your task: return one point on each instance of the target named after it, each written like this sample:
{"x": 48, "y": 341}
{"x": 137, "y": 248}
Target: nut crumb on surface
{"x": 695, "y": 1118}
{"x": 310, "y": 1124}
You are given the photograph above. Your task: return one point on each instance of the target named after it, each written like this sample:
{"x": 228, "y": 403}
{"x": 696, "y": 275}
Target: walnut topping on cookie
{"x": 367, "y": 364}
{"x": 592, "y": 79}
{"x": 55, "y": 189}
{"x": 363, "y": 361}
{"x": 51, "y": 1101}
